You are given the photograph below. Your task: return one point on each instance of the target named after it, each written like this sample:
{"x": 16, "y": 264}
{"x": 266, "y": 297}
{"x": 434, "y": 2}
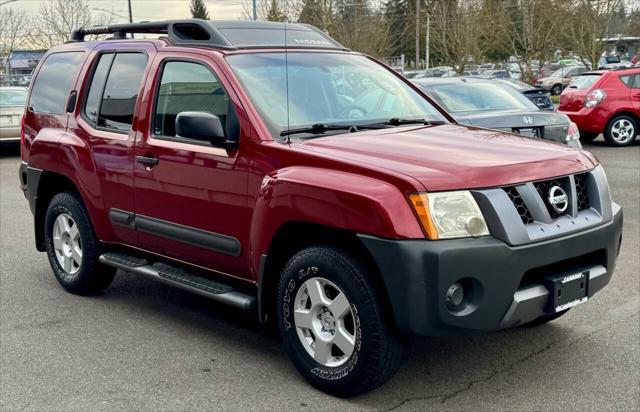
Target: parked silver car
{"x": 12, "y": 100}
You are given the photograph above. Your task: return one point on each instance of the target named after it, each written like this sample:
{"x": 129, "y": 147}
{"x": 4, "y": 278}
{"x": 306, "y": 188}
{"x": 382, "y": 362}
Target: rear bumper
{"x": 588, "y": 120}
{"x": 505, "y": 282}
{"x": 10, "y": 134}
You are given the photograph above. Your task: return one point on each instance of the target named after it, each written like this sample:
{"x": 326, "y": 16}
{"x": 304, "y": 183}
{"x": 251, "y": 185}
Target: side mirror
{"x": 201, "y": 126}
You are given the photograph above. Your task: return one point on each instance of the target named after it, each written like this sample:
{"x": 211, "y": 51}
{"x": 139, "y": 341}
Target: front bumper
{"x": 506, "y": 282}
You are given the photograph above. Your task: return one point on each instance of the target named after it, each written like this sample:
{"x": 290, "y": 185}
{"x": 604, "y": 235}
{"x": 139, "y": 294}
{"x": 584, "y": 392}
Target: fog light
{"x": 454, "y": 297}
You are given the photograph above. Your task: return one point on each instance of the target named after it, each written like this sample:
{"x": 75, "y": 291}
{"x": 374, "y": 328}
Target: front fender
{"x": 330, "y": 198}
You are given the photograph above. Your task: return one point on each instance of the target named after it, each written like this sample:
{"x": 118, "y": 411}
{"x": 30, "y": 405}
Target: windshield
{"x": 13, "y": 97}
{"x": 325, "y": 88}
{"x": 479, "y": 97}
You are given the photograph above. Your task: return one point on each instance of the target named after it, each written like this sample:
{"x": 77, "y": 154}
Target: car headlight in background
{"x": 448, "y": 215}
{"x": 594, "y": 98}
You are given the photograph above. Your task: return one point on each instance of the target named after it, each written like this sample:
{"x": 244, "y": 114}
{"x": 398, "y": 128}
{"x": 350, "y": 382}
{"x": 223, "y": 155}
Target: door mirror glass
{"x": 200, "y": 126}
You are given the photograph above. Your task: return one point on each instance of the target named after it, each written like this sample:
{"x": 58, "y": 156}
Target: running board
{"x": 180, "y": 278}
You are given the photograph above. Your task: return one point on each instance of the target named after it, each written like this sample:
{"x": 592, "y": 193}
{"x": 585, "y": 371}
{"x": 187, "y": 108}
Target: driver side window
{"x": 189, "y": 87}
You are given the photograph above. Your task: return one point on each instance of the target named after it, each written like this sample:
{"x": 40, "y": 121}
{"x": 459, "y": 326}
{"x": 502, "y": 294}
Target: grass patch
{"x": 555, "y": 99}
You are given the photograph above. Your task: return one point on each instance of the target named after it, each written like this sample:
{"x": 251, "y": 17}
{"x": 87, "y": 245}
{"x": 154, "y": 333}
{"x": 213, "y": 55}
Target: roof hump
{"x": 223, "y": 34}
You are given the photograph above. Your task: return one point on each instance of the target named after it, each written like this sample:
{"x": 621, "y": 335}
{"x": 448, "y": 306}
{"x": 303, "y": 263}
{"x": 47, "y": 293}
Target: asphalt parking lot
{"x": 144, "y": 346}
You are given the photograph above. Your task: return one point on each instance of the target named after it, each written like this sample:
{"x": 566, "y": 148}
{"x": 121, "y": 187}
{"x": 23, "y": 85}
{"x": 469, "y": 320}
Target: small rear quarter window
{"x": 53, "y": 83}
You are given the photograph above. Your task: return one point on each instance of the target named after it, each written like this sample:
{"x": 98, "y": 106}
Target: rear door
{"x": 191, "y": 197}
{"x": 108, "y": 96}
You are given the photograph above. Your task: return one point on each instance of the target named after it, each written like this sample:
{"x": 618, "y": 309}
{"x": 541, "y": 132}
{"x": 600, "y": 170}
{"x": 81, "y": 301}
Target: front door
{"x": 191, "y": 197}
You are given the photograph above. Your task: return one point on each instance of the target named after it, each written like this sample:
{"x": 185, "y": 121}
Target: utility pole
{"x": 130, "y": 13}
{"x": 426, "y": 43}
{"x": 255, "y": 11}
{"x": 417, "y": 32}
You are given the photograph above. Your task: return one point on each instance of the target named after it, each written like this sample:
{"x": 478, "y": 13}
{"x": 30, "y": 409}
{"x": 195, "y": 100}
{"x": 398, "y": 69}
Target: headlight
{"x": 449, "y": 215}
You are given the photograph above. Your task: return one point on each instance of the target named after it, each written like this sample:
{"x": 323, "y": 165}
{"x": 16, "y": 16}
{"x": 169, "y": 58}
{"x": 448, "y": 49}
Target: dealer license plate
{"x": 567, "y": 291}
{"x": 9, "y": 120}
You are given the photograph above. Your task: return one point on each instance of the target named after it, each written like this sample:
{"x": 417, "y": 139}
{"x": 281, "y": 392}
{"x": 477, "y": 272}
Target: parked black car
{"x": 495, "y": 105}
{"x": 539, "y": 97}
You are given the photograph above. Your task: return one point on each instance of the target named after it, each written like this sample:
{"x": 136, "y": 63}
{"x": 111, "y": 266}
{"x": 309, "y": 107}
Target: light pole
{"x": 426, "y": 47}
{"x": 255, "y": 17}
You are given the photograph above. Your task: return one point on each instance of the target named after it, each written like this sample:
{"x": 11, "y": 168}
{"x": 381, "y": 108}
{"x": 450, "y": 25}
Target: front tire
{"x": 73, "y": 248}
{"x": 621, "y": 131}
{"x": 334, "y": 325}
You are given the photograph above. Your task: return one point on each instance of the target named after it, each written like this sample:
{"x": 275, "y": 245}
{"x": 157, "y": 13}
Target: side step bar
{"x": 180, "y": 278}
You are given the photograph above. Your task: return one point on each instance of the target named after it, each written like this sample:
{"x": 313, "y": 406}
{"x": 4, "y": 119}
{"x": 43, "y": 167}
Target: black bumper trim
{"x": 417, "y": 274}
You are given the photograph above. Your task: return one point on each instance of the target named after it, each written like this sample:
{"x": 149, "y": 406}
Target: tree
{"x": 57, "y": 19}
{"x": 199, "y": 10}
{"x": 531, "y": 30}
{"x": 12, "y": 32}
{"x": 275, "y": 12}
{"x": 589, "y": 25}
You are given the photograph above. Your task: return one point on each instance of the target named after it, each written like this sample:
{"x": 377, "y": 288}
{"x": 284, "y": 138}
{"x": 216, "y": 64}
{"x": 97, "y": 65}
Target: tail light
{"x": 573, "y": 133}
{"x": 22, "y": 130}
{"x": 594, "y": 98}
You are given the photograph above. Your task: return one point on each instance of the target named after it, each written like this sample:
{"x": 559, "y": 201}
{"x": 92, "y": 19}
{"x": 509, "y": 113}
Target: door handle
{"x": 147, "y": 161}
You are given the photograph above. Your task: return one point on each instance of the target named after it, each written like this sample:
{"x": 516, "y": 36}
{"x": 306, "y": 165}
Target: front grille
{"x": 522, "y": 209}
{"x": 581, "y": 192}
{"x": 543, "y": 190}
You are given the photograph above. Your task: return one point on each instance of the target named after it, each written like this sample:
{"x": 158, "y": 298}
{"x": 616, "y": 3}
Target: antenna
{"x": 286, "y": 76}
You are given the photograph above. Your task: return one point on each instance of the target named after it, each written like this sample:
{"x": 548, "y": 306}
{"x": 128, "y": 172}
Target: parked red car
{"x": 605, "y": 101}
{"x": 267, "y": 167}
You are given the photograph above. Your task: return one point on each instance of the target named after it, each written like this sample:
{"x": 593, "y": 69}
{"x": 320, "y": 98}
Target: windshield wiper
{"x": 324, "y": 127}
{"x": 399, "y": 121}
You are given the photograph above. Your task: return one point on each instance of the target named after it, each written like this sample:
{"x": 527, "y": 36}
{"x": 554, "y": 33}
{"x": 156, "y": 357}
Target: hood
{"x": 508, "y": 119}
{"x": 453, "y": 157}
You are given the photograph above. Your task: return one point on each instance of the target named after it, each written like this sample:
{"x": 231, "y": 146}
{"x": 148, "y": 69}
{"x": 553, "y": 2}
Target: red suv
{"x": 267, "y": 167}
{"x": 605, "y": 101}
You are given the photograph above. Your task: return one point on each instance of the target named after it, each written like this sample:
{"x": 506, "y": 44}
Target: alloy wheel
{"x": 67, "y": 246}
{"x": 324, "y": 322}
{"x": 622, "y": 131}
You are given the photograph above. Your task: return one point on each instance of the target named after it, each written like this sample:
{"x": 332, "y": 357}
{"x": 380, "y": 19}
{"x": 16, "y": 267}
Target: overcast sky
{"x": 150, "y": 9}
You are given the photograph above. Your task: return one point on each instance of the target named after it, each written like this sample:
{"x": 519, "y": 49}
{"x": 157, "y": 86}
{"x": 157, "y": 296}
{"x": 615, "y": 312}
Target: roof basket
{"x": 225, "y": 34}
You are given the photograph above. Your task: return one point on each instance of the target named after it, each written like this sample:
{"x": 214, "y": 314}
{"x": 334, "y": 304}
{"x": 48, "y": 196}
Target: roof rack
{"x": 224, "y": 34}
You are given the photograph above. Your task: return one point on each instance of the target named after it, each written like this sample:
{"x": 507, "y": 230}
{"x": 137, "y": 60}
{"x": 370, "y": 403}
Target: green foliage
{"x": 275, "y": 12}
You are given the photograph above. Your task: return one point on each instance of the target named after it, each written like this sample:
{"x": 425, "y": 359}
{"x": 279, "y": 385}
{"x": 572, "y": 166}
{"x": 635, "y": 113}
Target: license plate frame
{"x": 567, "y": 290}
{"x": 528, "y": 131}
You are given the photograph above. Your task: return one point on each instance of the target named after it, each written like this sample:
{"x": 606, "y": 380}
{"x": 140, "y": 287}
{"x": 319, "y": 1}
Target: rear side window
{"x": 632, "y": 81}
{"x": 53, "y": 84}
{"x": 97, "y": 87}
{"x": 114, "y": 90}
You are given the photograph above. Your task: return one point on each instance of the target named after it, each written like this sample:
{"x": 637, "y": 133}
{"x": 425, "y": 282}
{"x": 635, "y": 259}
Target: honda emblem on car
{"x": 558, "y": 199}
{"x": 527, "y": 119}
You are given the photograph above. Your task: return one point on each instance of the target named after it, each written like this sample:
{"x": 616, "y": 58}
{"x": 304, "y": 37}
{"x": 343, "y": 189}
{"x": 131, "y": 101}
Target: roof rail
{"x": 225, "y": 34}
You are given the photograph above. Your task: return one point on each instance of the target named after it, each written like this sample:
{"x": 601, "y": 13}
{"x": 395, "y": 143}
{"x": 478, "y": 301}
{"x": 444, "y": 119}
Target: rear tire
{"x": 350, "y": 345}
{"x": 556, "y": 89}
{"x": 73, "y": 248}
{"x": 586, "y": 137}
{"x": 622, "y": 130}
